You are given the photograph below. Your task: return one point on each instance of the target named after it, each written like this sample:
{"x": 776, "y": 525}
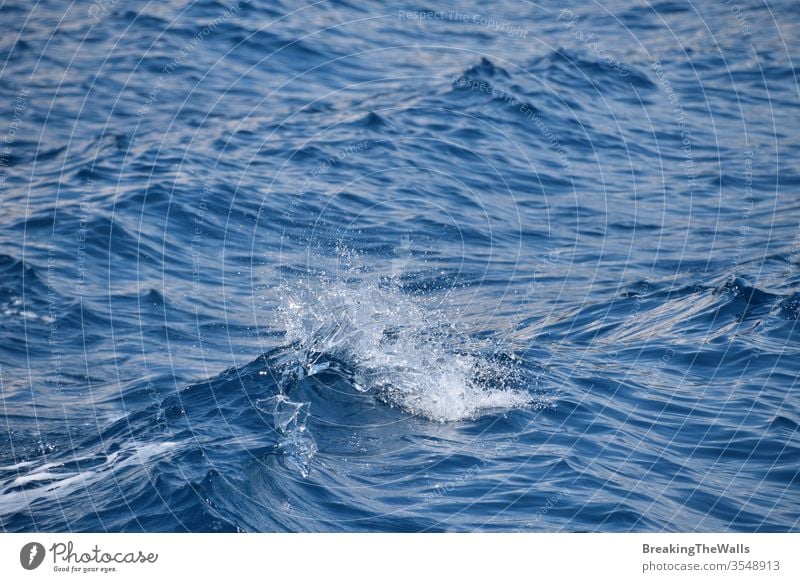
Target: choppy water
{"x": 340, "y": 267}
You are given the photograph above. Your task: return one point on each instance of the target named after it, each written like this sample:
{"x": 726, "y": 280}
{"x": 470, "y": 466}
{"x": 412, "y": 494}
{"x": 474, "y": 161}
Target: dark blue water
{"x": 507, "y": 267}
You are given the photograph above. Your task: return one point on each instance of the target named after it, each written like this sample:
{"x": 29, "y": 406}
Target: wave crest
{"x": 410, "y": 351}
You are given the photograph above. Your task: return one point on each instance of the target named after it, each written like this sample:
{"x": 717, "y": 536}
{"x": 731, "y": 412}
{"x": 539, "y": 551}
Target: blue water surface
{"x": 386, "y": 266}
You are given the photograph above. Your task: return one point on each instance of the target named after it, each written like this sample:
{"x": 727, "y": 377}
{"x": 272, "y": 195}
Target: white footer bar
{"x": 377, "y": 557}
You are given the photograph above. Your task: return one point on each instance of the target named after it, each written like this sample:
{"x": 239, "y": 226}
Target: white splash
{"x": 406, "y": 349}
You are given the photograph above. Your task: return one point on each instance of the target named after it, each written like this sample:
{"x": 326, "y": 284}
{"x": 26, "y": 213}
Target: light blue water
{"x": 507, "y": 267}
